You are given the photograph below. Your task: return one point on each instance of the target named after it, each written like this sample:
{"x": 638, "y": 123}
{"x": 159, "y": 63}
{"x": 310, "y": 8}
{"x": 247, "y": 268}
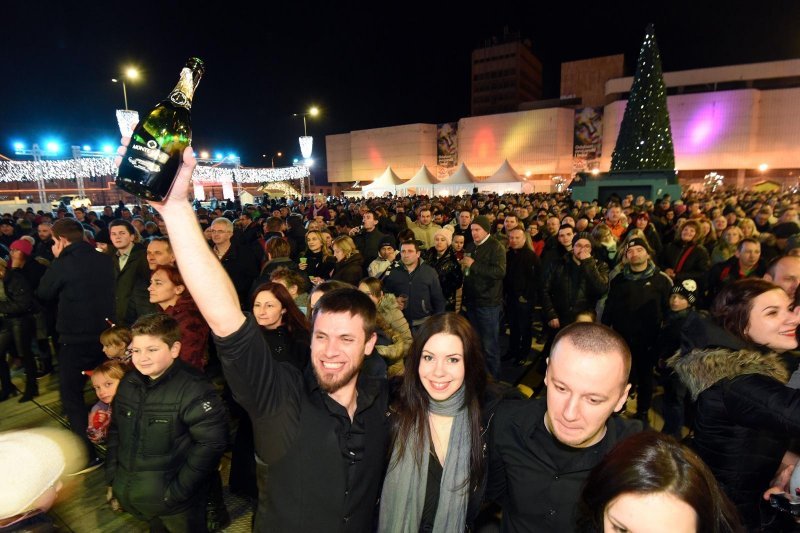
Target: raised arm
{"x": 207, "y": 281}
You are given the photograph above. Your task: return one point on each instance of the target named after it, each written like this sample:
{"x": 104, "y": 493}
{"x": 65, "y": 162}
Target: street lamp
{"x": 130, "y": 73}
{"x": 313, "y": 111}
{"x": 272, "y": 158}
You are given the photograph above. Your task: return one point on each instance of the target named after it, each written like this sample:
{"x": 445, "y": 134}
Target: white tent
{"x": 385, "y": 183}
{"x": 423, "y": 182}
{"x": 460, "y": 182}
{"x": 504, "y": 180}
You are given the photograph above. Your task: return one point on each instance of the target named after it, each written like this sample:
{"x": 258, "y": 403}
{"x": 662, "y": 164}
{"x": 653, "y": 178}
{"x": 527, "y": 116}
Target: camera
{"x": 786, "y": 503}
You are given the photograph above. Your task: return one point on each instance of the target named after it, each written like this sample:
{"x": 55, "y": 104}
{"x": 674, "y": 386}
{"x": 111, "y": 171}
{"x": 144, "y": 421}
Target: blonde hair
{"x": 345, "y": 244}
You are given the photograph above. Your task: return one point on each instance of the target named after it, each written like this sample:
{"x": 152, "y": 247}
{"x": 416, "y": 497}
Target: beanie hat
{"x": 584, "y": 235}
{"x": 483, "y": 222}
{"x": 448, "y": 235}
{"x": 31, "y": 463}
{"x": 23, "y": 245}
{"x": 784, "y": 230}
{"x": 688, "y": 289}
{"x": 638, "y": 241}
{"x": 386, "y": 240}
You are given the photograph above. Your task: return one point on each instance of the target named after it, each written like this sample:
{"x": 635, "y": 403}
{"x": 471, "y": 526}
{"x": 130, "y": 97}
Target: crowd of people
{"x": 362, "y": 344}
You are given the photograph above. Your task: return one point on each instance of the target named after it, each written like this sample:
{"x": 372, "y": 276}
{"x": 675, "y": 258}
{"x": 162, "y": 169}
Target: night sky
{"x": 365, "y": 65}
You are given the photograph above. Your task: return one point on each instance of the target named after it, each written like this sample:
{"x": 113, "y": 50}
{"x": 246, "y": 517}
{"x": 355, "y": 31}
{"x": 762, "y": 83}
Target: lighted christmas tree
{"x": 645, "y": 136}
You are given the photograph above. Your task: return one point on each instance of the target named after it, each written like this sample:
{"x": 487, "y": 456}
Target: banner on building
{"x": 588, "y": 138}
{"x": 447, "y": 144}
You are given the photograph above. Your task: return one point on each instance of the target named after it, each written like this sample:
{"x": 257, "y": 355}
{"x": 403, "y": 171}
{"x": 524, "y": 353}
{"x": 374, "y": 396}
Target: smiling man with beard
{"x": 321, "y": 436}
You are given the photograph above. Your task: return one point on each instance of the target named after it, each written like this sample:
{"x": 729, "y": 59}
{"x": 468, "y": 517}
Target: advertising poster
{"x": 588, "y": 139}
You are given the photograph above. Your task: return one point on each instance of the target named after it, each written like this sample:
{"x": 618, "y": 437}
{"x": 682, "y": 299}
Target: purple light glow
{"x": 704, "y": 127}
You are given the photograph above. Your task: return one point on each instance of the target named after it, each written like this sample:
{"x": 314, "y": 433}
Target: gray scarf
{"x": 403, "y": 496}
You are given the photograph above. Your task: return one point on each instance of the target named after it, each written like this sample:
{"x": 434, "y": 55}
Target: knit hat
{"x": 483, "y": 222}
{"x": 31, "y": 463}
{"x": 688, "y": 289}
{"x": 23, "y": 245}
{"x": 448, "y": 235}
{"x": 386, "y": 240}
{"x": 586, "y": 236}
{"x": 637, "y": 241}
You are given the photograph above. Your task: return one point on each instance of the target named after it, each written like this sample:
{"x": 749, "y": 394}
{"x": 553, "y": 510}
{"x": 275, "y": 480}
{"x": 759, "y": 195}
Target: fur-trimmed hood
{"x": 702, "y": 368}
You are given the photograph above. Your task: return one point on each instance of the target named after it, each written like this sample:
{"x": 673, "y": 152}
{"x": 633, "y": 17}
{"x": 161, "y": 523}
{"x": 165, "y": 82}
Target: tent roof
{"x": 504, "y": 174}
{"x": 388, "y": 180}
{"x": 462, "y": 175}
{"x": 422, "y": 178}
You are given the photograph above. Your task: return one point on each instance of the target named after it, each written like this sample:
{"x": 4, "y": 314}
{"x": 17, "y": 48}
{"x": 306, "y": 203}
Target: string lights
{"x": 70, "y": 169}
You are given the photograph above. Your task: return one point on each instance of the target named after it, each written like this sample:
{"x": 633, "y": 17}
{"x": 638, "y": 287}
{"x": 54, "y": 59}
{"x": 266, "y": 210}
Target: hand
{"x": 583, "y": 254}
{"x": 316, "y": 280}
{"x": 780, "y": 483}
{"x": 179, "y": 193}
{"x": 302, "y": 266}
{"x": 109, "y": 494}
{"x": 555, "y": 324}
{"x": 58, "y": 246}
{"x": 669, "y": 272}
{"x": 401, "y": 302}
{"x": 467, "y": 262}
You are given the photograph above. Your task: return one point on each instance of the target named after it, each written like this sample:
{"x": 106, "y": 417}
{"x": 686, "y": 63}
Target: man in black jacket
{"x": 82, "y": 279}
{"x": 321, "y": 435}
{"x": 132, "y": 272}
{"x": 638, "y": 300}
{"x": 521, "y": 287}
{"x": 415, "y": 284}
{"x": 368, "y": 238}
{"x": 542, "y": 450}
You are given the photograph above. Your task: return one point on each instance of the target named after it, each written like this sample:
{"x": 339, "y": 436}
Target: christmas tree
{"x": 645, "y": 136}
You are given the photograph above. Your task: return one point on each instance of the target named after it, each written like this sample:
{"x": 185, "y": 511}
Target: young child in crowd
{"x": 681, "y": 303}
{"x": 168, "y": 432}
{"x": 115, "y": 341}
{"x": 105, "y": 380}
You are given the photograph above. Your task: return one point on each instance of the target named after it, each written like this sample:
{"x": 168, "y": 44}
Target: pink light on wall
{"x": 704, "y": 127}
{"x": 375, "y": 158}
{"x": 484, "y": 147}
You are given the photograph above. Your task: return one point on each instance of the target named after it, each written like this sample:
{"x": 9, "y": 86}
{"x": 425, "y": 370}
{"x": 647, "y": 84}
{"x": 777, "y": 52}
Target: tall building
{"x": 504, "y": 75}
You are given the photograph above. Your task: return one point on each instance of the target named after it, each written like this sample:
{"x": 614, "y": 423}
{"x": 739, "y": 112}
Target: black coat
{"x": 319, "y": 266}
{"x": 535, "y": 495}
{"x": 451, "y": 277}
{"x": 349, "y": 270}
{"x": 695, "y": 267}
{"x": 483, "y": 285}
{"x": 572, "y": 288}
{"x": 242, "y": 267}
{"x": 166, "y": 438}
{"x": 132, "y": 299}
{"x": 82, "y": 279}
{"x": 325, "y": 471}
{"x": 745, "y": 414}
{"x": 523, "y": 275}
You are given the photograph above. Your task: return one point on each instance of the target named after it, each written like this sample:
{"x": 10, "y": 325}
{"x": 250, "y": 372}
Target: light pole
{"x": 272, "y": 158}
{"x": 313, "y": 111}
{"x": 130, "y": 73}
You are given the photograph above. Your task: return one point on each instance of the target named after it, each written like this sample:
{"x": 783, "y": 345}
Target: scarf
{"x": 403, "y": 495}
{"x": 644, "y": 274}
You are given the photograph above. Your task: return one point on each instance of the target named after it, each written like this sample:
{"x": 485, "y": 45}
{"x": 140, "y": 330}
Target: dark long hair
{"x": 651, "y": 462}
{"x": 732, "y": 306}
{"x": 412, "y": 405}
{"x": 294, "y": 320}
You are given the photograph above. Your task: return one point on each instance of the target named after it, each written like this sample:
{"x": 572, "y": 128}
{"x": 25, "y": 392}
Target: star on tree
{"x": 645, "y": 136}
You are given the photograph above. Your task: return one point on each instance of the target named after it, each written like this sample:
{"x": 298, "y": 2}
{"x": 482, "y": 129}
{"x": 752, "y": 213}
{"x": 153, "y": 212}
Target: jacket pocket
{"x": 158, "y": 433}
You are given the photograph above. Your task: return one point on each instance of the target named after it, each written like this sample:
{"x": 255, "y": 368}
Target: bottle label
{"x": 152, "y": 158}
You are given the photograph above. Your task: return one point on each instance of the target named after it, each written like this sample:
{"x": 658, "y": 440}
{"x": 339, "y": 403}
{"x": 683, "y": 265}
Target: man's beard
{"x": 330, "y": 383}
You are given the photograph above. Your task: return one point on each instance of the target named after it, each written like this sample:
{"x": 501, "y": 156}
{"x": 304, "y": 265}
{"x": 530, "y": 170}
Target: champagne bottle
{"x": 155, "y": 152}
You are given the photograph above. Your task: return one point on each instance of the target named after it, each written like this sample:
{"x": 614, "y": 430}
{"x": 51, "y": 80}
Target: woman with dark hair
{"x": 641, "y": 221}
{"x": 745, "y": 413}
{"x": 436, "y": 474}
{"x": 685, "y": 258}
{"x": 649, "y": 482}
{"x": 348, "y": 267}
{"x": 169, "y": 293}
{"x": 289, "y": 339}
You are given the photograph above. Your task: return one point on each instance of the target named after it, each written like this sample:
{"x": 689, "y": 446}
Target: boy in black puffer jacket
{"x": 168, "y": 432}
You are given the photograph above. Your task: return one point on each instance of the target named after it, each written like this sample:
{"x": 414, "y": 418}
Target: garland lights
{"x": 70, "y": 169}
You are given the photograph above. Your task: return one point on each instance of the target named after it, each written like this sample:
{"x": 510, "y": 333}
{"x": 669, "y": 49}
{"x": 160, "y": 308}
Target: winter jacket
{"x": 535, "y": 494}
{"x": 19, "y": 300}
{"x": 523, "y": 276}
{"x": 572, "y": 288}
{"x": 82, "y": 279}
{"x": 166, "y": 438}
{"x": 319, "y": 266}
{"x": 483, "y": 285}
{"x": 349, "y": 269}
{"x": 695, "y": 266}
{"x": 635, "y": 307}
{"x": 727, "y": 272}
{"x": 422, "y": 287}
{"x": 241, "y": 265}
{"x": 745, "y": 415}
{"x": 368, "y": 243}
{"x": 450, "y": 274}
{"x": 424, "y": 233}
